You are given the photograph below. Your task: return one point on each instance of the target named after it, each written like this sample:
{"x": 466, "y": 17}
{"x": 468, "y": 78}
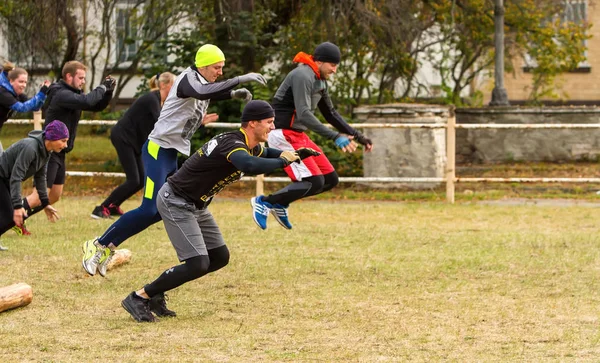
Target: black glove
{"x": 305, "y": 152}
{"x": 44, "y": 89}
{"x": 361, "y": 139}
{"x": 109, "y": 83}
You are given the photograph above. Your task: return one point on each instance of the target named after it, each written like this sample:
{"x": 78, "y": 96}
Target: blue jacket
{"x": 11, "y": 103}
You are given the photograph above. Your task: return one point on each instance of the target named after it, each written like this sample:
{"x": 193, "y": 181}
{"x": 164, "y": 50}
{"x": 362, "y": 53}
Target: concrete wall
{"x": 421, "y": 152}
{"x": 403, "y": 152}
{"x": 486, "y": 145}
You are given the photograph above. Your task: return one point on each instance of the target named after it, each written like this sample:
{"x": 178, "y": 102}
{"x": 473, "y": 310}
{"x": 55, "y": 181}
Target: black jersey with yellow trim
{"x": 209, "y": 170}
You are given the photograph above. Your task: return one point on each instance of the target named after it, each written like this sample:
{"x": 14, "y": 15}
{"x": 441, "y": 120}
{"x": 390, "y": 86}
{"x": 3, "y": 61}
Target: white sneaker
{"x": 107, "y": 255}
{"x": 92, "y": 253}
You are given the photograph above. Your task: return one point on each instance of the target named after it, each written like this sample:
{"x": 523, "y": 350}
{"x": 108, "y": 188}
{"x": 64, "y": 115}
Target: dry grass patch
{"x": 353, "y": 281}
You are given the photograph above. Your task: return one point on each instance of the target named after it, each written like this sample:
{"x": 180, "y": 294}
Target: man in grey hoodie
{"x": 23, "y": 159}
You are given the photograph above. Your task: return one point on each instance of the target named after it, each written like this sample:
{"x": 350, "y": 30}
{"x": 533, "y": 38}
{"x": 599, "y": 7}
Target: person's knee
{"x": 53, "y": 198}
{"x": 197, "y": 266}
{"x": 316, "y": 182}
{"x": 331, "y": 180}
{"x": 139, "y": 185}
{"x": 148, "y": 209}
{"x": 134, "y": 184}
{"x": 219, "y": 258}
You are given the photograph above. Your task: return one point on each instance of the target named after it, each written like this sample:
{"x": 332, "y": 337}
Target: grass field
{"x": 353, "y": 281}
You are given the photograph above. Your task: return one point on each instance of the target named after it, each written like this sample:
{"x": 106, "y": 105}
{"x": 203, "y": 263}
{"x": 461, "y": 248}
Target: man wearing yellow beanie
{"x": 209, "y": 54}
{"x": 184, "y": 112}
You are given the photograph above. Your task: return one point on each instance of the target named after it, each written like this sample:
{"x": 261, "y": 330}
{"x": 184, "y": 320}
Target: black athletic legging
{"x": 301, "y": 189}
{"x": 131, "y": 161}
{"x": 191, "y": 269}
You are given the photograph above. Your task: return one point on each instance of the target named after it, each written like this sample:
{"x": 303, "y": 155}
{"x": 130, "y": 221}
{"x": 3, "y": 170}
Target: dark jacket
{"x": 11, "y": 103}
{"x": 65, "y": 104}
{"x": 23, "y": 159}
{"x": 138, "y": 121}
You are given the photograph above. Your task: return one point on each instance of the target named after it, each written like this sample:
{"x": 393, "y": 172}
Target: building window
{"x": 574, "y": 11}
{"x": 127, "y": 45}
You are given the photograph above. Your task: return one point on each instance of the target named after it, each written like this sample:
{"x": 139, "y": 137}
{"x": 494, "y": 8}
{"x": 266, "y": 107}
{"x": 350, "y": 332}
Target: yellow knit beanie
{"x": 208, "y": 54}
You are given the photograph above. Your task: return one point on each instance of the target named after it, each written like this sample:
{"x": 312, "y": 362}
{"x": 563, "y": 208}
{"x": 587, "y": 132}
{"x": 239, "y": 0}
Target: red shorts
{"x": 293, "y": 140}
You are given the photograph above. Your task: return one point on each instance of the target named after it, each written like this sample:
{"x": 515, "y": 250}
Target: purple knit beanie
{"x": 56, "y": 130}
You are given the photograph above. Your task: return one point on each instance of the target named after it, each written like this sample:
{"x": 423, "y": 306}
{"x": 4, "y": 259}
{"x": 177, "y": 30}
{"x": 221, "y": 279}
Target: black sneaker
{"x": 138, "y": 307}
{"x": 115, "y": 210}
{"x": 100, "y": 212}
{"x": 158, "y": 305}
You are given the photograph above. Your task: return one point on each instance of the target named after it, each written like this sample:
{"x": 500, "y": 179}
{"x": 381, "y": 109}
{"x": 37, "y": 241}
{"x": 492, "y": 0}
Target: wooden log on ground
{"x": 14, "y": 296}
{"x": 120, "y": 257}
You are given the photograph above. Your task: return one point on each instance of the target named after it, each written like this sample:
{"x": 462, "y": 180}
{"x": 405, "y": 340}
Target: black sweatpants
{"x": 6, "y": 209}
{"x": 131, "y": 161}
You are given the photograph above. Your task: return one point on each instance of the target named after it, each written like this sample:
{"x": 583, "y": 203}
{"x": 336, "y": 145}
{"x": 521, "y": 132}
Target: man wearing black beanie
{"x": 183, "y": 201}
{"x": 303, "y": 90}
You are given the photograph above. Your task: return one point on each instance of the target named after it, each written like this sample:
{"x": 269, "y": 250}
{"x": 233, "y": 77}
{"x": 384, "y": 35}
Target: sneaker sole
{"x": 86, "y": 270}
{"x": 252, "y": 201}
{"x": 131, "y": 311}
{"x": 164, "y": 315}
{"x": 97, "y": 217}
{"x": 279, "y": 220}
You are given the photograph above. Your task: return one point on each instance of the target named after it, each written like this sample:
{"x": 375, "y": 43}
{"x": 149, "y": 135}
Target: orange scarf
{"x": 309, "y": 61}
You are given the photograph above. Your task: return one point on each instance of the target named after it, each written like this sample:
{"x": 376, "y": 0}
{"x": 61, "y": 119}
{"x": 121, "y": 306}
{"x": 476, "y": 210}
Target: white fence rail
{"x": 450, "y": 176}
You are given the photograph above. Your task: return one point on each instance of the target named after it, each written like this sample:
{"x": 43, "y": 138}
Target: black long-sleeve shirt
{"x": 223, "y": 160}
{"x": 138, "y": 121}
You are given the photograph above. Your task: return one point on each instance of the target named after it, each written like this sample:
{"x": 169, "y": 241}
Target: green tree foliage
{"x": 540, "y": 31}
{"x": 40, "y": 32}
{"x": 533, "y": 29}
{"x": 384, "y": 42}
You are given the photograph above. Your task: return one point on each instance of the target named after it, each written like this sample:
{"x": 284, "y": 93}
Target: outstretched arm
{"x": 89, "y": 102}
{"x": 33, "y": 104}
{"x": 190, "y": 86}
{"x": 259, "y": 165}
{"x": 337, "y": 121}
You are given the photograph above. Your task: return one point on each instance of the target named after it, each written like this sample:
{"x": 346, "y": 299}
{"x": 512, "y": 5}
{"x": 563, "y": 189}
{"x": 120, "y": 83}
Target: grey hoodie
{"x": 23, "y": 159}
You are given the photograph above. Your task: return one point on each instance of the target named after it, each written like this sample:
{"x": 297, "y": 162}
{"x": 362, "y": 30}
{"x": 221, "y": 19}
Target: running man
{"x": 184, "y": 111}
{"x": 184, "y": 198}
{"x": 303, "y": 90}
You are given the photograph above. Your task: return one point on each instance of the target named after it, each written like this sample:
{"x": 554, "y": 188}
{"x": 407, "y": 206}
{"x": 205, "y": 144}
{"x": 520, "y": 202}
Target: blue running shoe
{"x": 281, "y": 215}
{"x": 260, "y": 211}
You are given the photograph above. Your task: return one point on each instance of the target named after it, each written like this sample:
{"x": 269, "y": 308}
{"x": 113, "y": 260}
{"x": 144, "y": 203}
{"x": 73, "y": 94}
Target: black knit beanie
{"x": 257, "y": 110}
{"x": 327, "y": 52}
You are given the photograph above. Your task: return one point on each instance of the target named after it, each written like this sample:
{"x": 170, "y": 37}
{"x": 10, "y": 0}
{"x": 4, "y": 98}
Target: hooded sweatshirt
{"x": 65, "y": 104}
{"x": 298, "y": 96}
{"x": 23, "y": 159}
{"x": 11, "y": 103}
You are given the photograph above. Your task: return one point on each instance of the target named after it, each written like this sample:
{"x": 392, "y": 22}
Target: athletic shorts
{"x": 293, "y": 140}
{"x": 192, "y": 231}
{"x": 56, "y": 172}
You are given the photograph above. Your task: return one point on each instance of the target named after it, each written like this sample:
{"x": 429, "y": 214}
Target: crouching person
{"x": 23, "y": 159}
